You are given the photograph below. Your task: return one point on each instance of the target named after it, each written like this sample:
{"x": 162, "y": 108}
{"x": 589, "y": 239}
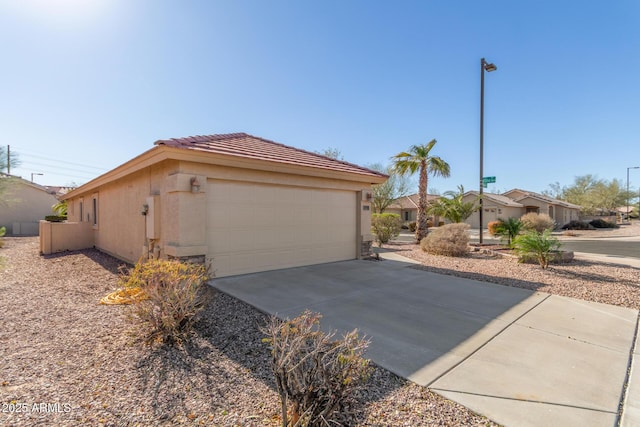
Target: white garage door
{"x": 253, "y": 227}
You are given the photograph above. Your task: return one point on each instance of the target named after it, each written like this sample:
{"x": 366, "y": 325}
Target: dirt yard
{"x": 68, "y": 361}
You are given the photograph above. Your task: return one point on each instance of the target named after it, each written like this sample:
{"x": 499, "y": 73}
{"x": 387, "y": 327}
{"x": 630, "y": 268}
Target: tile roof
{"x": 411, "y": 201}
{"x": 543, "y": 198}
{"x": 498, "y": 198}
{"x": 251, "y": 147}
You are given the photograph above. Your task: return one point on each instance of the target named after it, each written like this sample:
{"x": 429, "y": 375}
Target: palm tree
{"x": 453, "y": 207}
{"x": 418, "y": 159}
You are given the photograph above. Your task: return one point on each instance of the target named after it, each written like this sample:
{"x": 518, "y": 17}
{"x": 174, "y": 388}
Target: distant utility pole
{"x": 8, "y": 160}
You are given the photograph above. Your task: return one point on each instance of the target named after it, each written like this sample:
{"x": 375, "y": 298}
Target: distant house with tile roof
{"x": 243, "y": 203}
{"x": 407, "y": 207}
{"x": 560, "y": 211}
{"x": 515, "y": 203}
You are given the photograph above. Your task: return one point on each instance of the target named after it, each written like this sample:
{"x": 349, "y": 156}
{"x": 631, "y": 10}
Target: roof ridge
{"x": 192, "y": 141}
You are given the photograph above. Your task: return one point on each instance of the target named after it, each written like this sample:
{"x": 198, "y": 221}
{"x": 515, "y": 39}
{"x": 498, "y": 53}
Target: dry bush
{"x": 317, "y": 374}
{"x": 174, "y": 297}
{"x": 493, "y": 227}
{"x": 449, "y": 240}
{"x": 537, "y": 222}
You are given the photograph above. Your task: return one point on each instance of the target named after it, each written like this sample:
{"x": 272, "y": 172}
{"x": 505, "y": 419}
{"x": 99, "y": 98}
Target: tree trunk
{"x": 422, "y": 227}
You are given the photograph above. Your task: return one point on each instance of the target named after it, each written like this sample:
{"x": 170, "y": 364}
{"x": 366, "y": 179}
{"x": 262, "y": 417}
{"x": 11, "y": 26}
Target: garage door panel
{"x": 253, "y": 227}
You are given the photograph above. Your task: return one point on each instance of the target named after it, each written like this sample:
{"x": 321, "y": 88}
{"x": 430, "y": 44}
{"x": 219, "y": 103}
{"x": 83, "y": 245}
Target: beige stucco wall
{"x": 64, "y": 236}
{"x": 181, "y": 214}
{"x": 24, "y": 207}
{"x": 492, "y": 211}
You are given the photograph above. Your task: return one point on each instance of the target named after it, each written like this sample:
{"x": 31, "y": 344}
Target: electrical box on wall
{"x": 153, "y": 217}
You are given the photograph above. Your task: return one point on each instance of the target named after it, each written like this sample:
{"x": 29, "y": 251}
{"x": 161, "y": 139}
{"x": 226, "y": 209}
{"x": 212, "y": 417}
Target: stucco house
{"x": 560, "y": 211}
{"x": 515, "y": 203}
{"x": 243, "y": 203}
{"x": 494, "y": 206}
{"x": 24, "y": 205}
{"x": 407, "y": 206}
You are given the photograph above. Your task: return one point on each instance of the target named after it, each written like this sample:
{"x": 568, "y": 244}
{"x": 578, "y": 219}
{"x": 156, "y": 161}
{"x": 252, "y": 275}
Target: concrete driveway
{"x": 521, "y": 358}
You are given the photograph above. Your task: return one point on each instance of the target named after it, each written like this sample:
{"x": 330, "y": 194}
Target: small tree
{"x": 537, "y": 245}
{"x": 419, "y": 159}
{"x": 317, "y": 374}
{"x": 453, "y": 207}
{"x": 508, "y": 229}
{"x": 332, "y": 153}
{"x": 8, "y": 162}
{"x": 60, "y": 208}
{"x": 386, "y": 193}
{"x": 385, "y": 227}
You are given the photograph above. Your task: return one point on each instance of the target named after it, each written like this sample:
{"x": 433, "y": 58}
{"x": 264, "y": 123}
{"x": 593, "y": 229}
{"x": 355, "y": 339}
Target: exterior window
{"x": 406, "y": 216}
{"x": 81, "y": 211}
{"x": 95, "y": 211}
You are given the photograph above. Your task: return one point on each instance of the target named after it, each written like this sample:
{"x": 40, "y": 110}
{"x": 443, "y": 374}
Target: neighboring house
{"x": 24, "y": 205}
{"x": 560, "y": 211}
{"x": 494, "y": 206}
{"x": 515, "y": 203}
{"x": 407, "y": 207}
{"x": 244, "y": 203}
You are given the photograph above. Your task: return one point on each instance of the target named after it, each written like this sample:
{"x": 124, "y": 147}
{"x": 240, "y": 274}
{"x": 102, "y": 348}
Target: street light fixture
{"x": 488, "y": 67}
{"x": 34, "y": 173}
{"x": 631, "y": 167}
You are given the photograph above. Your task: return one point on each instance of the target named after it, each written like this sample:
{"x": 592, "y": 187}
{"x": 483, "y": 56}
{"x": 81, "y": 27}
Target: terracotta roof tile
{"x": 411, "y": 201}
{"x": 248, "y": 146}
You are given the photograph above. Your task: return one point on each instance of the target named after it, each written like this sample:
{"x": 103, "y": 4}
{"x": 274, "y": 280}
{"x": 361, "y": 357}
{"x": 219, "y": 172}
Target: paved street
{"x": 612, "y": 247}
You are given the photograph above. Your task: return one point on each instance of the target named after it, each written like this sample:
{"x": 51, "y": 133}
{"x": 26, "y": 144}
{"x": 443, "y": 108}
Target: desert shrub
{"x": 174, "y": 297}
{"x": 55, "y": 218}
{"x": 60, "y": 208}
{"x": 449, "y": 240}
{"x": 3, "y": 231}
{"x": 492, "y": 227}
{"x": 429, "y": 223}
{"x": 315, "y": 373}
{"x": 601, "y": 223}
{"x": 576, "y": 225}
{"x": 412, "y": 226}
{"x": 509, "y": 229}
{"x": 385, "y": 226}
{"x": 537, "y": 222}
{"x": 537, "y": 245}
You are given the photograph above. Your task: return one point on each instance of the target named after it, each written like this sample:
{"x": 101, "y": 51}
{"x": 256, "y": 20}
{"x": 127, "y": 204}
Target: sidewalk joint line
{"x": 525, "y": 400}
{"x": 627, "y": 378}
{"x": 487, "y": 342}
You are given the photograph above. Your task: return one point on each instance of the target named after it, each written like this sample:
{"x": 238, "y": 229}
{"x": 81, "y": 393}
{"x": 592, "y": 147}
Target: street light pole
{"x": 34, "y": 173}
{"x": 488, "y": 67}
{"x": 631, "y": 167}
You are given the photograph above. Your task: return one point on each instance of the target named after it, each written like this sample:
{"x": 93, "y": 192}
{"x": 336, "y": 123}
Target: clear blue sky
{"x": 96, "y": 82}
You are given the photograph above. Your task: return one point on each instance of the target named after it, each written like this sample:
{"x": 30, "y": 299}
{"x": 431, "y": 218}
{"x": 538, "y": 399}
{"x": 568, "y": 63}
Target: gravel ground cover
{"x": 592, "y": 281}
{"x": 68, "y": 361}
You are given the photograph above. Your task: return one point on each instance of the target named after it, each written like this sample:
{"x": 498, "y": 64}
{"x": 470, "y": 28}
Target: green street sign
{"x": 488, "y": 180}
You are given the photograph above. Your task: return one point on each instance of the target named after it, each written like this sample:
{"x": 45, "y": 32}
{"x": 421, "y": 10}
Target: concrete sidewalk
{"x": 520, "y": 358}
